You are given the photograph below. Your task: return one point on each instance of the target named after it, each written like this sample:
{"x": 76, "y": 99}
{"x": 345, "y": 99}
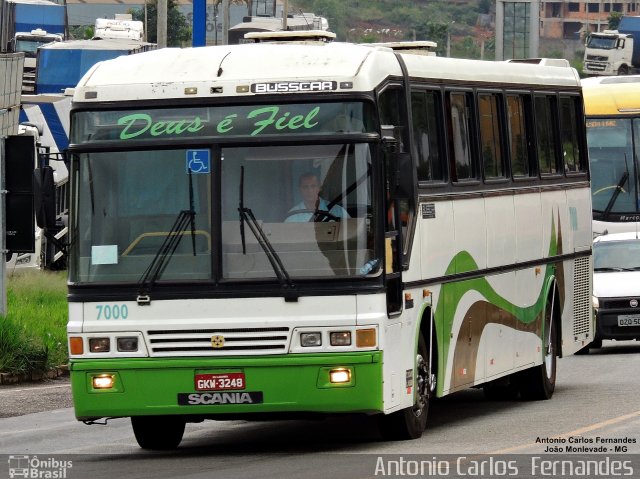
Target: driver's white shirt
{"x": 306, "y": 215}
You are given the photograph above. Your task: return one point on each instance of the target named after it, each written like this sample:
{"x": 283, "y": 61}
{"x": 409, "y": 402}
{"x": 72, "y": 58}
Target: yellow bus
{"x": 612, "y": 111}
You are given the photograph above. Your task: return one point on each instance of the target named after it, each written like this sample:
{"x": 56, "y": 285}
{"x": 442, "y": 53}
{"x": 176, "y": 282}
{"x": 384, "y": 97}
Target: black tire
{"x": 158, "y": 433}
{"x": 623, "y": 70}
{"x": 409, "y": 423}
{"x": 596, "y": 344}
{"x": 539, "y": 382}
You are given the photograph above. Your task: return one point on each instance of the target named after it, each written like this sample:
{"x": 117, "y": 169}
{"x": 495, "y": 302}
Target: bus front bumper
{"x": 227, "y": 386}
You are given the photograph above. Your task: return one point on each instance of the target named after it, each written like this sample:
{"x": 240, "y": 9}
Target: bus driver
{"x": 312, "y": 204}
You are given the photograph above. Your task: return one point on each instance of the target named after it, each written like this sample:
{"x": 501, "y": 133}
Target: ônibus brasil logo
{"x": 35, "y": 467}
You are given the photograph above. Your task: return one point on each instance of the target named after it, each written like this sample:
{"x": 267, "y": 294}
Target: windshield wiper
{"x": 246, "y": 215}
{"x": 616, "y": 193}
{"x": 171, "y": 241}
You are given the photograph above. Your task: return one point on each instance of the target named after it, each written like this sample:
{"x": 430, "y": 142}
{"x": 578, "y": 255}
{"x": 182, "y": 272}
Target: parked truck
{"x": 44, "y": 216}
{"x": 121, "y": 27}
{"x": 62, "y": 64}
{"x": 29, "y": 240}
{"x": 27, "y": 24}
{"x": 614, "y": 52}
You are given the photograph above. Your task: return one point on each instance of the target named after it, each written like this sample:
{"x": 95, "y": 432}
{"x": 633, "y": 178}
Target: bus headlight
{"x": 127, "y": 344}
{"x": 595, "y": 302}
{"x": 99, "y": 345}
{"x": 340, "y": 338}
{"x": 310, "y": 339}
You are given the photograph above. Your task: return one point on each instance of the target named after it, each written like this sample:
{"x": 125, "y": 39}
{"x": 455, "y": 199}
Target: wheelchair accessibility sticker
{"x": 198, "y": 161}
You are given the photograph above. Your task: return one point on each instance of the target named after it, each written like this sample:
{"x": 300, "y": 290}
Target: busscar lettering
{"x": 293, "y": 87}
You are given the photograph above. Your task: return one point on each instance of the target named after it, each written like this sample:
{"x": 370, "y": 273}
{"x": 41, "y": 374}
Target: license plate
{"x": 219, "y": 382}
{"x": 629, "y": 320}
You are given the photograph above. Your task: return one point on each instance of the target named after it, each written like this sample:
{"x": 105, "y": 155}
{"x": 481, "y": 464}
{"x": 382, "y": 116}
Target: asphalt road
{"x": 29, "y": 398}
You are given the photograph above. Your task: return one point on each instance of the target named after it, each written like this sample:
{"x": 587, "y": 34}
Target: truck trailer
{"x": 62, "y": 64}
{"x": 25, "y": 25}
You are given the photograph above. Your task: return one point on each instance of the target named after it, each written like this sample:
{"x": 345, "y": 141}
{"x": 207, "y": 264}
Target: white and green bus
{"x": 449, "y": 247}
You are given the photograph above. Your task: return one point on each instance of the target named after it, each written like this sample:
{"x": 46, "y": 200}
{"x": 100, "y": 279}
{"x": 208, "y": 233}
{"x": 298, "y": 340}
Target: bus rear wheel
{"x": 158, "y": 433}
{"x": 540, "y": 382}
{"x": 409, "y": 423}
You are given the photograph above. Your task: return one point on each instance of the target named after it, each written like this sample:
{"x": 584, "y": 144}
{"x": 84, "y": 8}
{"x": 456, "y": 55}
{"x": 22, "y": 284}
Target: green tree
{"x": 484, "y": 6}
{"x": 335, "y": 11}
{"x": 178, "y": 30}
{"x": 435, "y": 32}
{"x": 614, "y": 20}
{"x": 81, "y": 32}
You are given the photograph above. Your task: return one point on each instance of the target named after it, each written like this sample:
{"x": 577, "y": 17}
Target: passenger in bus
{"x": 312, "y": 206}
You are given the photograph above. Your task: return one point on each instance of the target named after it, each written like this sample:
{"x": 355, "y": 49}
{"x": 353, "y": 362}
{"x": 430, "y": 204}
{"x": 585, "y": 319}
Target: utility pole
{"x": 285, "y": 13}
{"x": 225, "y": 22}
{"x": 162, "y": 24}
{"x": 146, "y": 27}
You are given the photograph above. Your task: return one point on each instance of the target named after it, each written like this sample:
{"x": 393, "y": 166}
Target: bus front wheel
{"x": 409, "y": 423}
{"x": 158, "y": 433}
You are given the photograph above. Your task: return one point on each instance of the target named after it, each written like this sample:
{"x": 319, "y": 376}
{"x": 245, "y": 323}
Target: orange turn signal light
{"x": 365, "y": 338}
{"x": 76, "y": 346}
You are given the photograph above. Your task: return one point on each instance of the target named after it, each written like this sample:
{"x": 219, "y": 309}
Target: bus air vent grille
{"x": 581, "y": 296}
{"x": 228, "y": 342}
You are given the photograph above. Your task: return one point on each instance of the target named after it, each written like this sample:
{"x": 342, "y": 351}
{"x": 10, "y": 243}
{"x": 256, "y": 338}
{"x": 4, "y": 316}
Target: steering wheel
{"x": 316, "y": 215}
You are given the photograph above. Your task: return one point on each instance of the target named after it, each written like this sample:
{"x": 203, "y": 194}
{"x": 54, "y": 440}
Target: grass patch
{"x": 33, "y": 336}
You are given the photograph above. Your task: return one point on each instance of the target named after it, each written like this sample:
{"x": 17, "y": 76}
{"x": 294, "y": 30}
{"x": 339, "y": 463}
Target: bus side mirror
{"x": 399, "y": 173}
{"x": 19, "y": 162}
{"x": 44, "y": 191}
{"x": 620, "y": 43}
{"x": 399, "y": 168}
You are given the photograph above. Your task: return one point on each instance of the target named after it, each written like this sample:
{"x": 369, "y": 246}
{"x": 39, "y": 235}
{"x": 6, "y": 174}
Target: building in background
{"x": 517, "y": 33}
{"x": 570, "y": 20}
{"x": 531, "y": 28}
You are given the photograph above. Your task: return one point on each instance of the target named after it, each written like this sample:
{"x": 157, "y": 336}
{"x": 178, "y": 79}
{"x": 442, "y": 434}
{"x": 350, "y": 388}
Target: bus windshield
{"x": 613, "y": 164}
{"x": 309, "y": 207}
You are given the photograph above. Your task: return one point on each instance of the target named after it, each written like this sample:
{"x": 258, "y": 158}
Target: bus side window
{"x": 519, "y": 137}
{"x": 490, "y": 140}
{"x": 391, "y": 109}
{"x": 425, "y": 108}
{"x": 460, "y": 140}
{"x": 546, "y": 130}
{"x": 572, "y": 156}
